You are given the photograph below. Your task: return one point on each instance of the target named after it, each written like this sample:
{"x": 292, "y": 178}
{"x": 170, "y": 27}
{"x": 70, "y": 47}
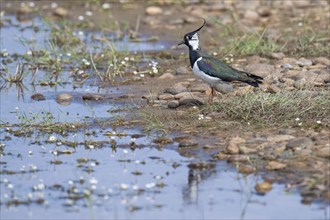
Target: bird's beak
{"x": 182, "y": 42}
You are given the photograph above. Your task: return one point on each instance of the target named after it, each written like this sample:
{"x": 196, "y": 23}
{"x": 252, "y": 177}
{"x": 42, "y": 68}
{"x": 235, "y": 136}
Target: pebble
{"x": 203, "y": 87}
{"x": 300, "y": 143}
{"x": 187, "y": 95}
{"x": 187, "y": 143}
{"x": 251, "y": 15}
{"x": 173, "y": 104}
{"x": 300, "y": 83}
{"x": 167, "y": 76}
{"x": 304, "y": 62}
{"x": 175, "y": 90}
{"x": 154, "y": 10}
{"x": 273, "y": 89}
{"x": 61, "y": 12}
{"x": 224, "y": 88}
{"x": 274, "y": 165}
{"x": 166, "y": 96}
{"x": 38, "y": 97}
{"x": 324, "y": 152}
{"x": 234, "y": 144}
{"x": 263, "y": 187}
{"x": 64, "y": 99}
{"x": 322, "y": 60}
{"x": 264, "y": 11}
{"x": 182, "y": 70}
{"x": 246, "y": 169}
{"x": 191, "y": 101}
{"x": 277, "y": 56}
{"x": 261, "y": 69}
{"x": 287, "y": 66}
{"x": 280, "y": 138}
{"x": 94, "y": 97}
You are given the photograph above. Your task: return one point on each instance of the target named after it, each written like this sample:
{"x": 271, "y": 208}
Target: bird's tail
{"x": 252, "y": 79}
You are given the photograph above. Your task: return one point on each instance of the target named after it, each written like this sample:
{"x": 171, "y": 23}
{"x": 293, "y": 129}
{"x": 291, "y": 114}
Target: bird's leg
{"x": 211, "y": 95}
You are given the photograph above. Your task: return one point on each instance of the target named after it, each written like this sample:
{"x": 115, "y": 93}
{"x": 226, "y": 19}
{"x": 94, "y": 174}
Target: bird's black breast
{"x": 193, "y": 56}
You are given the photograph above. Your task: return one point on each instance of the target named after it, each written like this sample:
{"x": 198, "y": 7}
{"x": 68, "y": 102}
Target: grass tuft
{"x": 277, "y": 109}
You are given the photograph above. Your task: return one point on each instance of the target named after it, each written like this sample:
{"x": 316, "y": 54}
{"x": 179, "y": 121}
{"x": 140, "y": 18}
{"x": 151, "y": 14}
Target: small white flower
{"x": 135, "y": 187}
{"x": 91, "y": 146}
{"x": 126, "y": 59}
{"x": 32, "y": 4}
{"x": 93, "y": 181}
{"x": 81, "y": 18}
{"x": 81, "y": 33}
{"x": 52, "y": 138}
{"x": 137, "y": 162}
{"x": 142, "y": 75}
{"x": 41, "y": 186}
{"x": 297, "y": 119}
{"x": 150, "y": 185}
{"x": 135, "y": 72}
{"x": 10, "y": 186}
{"x": 318, "y": 122}
{"x": 106, "y": 6}
{"x": 124, "y": 186}
{"x": 125, "y": 151}
{"x": 30, "y": 152}
{"x": 200, "y": 116}
{"x": 53, "y": 5}
{"x": 300, "y": 123}
{"x": 29, "y": 52}
{"x": 69, "y": 54}
{"x": 93, "y": 164}
{"x": 123, "y": 62}
{"x": 70, "y": 182}
{"x": 89, "y": 13}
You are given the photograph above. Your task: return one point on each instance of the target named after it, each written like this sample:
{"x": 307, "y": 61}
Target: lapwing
{"x": 212, "y": 70}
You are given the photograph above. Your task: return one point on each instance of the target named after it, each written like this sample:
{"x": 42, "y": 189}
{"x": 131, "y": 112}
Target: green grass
{"x": 304, "y": 41}
{"x": 280, "y": 109}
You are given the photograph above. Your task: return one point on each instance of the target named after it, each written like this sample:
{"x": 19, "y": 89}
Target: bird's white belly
{"x": 209, "y": 79}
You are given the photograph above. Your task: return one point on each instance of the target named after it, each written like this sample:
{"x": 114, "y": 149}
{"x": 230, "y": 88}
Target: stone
{"x": 274, "y": 165}
{"x": 304, "y": 62}
{"x": 167, "y": 76}
{"x": 153, "y": 10}
{"x": 280, "y": 138}
{"x": 38, "y": 97}
{"x": 263, "y": 187}
{"x": 234, "y": 144}
{"x": 300, "y": 83}
{"x": 187, "y": 95}
{"x": 322, "y": 60}
{"x": 175, "y": 90}
{"x": 246, "y": 169}
{"x": 224, "y": 88}
{"x": 251, "y": 15}
{"x": 261, "y": 69}
{"x": 202, "y": 87}
{"x": 166, "y": 96}
{"x": 247, "y": 150}
{"x": 277, "y": 56}
{"x": 273, "y": 89}
{"x": 287, "y": 66}
{"x": 324, "y": 152}
{"x": 94, "y": 97}
{"x": 61, "y": 12}
{"x": 64, "y": 99}
{"x": 264, "y": 11}
{"x": 191, "y": 101}
{"x": 300, "y": 143}
{"x": 187, "y": 143}
{"x": 182, "y": 70}
{"x": 173, "y": 104}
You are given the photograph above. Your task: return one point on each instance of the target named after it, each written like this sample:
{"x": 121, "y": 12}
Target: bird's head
{"x": 191, "y": 39}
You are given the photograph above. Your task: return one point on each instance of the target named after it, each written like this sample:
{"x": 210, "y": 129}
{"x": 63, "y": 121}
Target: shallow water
{"x": 133, "y": 179}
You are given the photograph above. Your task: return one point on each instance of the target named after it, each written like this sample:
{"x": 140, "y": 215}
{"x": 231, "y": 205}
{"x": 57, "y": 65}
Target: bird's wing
{"x": 216, "y": 68}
